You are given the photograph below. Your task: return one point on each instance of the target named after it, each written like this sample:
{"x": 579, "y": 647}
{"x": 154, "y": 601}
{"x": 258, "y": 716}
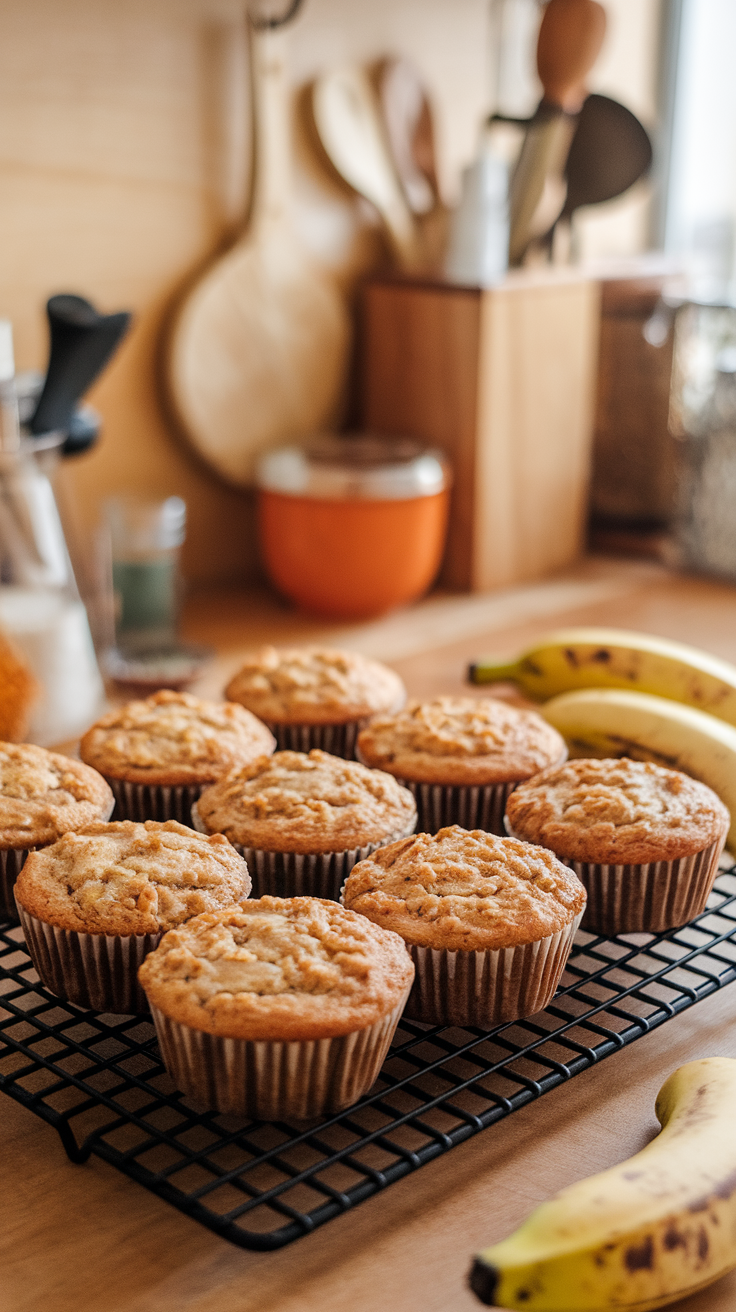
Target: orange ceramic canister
{"x": 351, "y": 527}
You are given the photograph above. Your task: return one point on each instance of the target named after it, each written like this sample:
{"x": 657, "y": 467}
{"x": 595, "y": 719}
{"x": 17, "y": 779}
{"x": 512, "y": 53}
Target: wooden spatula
{"x": 259, "y": 350}
{"x": 407, "y": 116}
{"x": 348, "y": 119}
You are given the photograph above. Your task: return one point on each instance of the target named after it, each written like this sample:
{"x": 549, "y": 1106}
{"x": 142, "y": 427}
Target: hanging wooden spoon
{"x": 407, "y": 116}
{"x": 570, "y": 38}
{"x": 348, "y": 119}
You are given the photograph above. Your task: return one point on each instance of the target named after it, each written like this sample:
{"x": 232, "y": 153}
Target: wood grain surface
{"x": 503, "y": 381}
{"x": 634, "y": 454}
{"x": 259, "y": 350}
{"x": 85, "y": 1239}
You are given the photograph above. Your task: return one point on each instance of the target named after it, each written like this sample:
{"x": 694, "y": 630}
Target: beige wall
{"x": 124, "y": 165}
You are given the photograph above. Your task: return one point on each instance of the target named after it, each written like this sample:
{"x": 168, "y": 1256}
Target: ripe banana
{"x": 613, "y": 658}
{"x": 642, "y": 1234}
{"x": 610, "y": 722}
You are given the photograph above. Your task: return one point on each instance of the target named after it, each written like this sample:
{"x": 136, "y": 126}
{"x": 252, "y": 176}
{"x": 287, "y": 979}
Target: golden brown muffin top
{"x": 174, "y": 738}
{"x": 129, "y": 878}
{"x": 465, "y": 890}
{"x": 278, "y": 968}
{"x": 618, "y": 812}
{"x": 306, "y": 802}
{"x": 461, "y": 740}
{"x": 315, "y": 685}
{"x": 44, "y": 794}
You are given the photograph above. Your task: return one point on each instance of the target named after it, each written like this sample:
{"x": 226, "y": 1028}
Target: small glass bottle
{"x": 145, "y": 539}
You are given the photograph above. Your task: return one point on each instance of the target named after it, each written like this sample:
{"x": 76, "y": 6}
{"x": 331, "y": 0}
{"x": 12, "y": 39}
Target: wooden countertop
{"x": 86, "y": 1239}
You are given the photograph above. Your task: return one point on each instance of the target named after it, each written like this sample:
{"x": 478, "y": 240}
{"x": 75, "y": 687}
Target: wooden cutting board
{"x": 258, "y": 352}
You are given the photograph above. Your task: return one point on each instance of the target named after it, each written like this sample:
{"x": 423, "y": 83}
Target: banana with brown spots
{"x": 642, "y": 1234}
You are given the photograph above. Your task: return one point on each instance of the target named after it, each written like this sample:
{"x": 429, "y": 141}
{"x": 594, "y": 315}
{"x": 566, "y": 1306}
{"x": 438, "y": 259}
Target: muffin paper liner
{"x": 296, "y": 874}
{"x": 99, "y": 971}
{"x": 271, "y": 1080}
{"x": 12, "y": 860}
{"x": 630, "y": 899}
{"x": 470, "y": 806}
{"x": 154, "y": 801}
{"x": 484, "y": 989}
{"x": 337, "y": 739}
{"x": 646, "y": 898}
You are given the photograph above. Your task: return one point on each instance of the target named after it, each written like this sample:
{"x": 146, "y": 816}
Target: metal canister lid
{"x": 361, "y": 467}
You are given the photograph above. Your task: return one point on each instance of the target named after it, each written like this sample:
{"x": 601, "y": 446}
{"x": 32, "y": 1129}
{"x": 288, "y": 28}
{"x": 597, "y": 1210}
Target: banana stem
{"x": 487, "y": 671}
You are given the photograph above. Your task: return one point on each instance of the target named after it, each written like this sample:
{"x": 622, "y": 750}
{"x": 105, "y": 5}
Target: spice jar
{"x": 351, "y": 527}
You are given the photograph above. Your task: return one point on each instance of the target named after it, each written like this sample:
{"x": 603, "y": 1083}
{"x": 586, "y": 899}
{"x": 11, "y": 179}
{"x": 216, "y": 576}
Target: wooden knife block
{"x": 503, "y": 380}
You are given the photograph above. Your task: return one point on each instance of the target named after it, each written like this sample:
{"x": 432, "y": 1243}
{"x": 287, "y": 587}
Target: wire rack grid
{"x": 99, "y": 1080}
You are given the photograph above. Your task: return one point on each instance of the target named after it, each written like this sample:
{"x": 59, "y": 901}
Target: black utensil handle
{"x": 82, "y": 342}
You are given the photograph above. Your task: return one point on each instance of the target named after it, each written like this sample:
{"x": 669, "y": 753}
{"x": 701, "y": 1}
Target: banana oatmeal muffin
{"x": 282, "y": 1007}
{"x": 42, "y": 796}
{"x": 303, "y": 820}
{"x": 315, "y": 697}
{"x": 158, "y": 754}
{"x": 94, "y": 903}
{"x": 645, "y": 840}
{"x": 461, "y": 756}
{"x": 489, "y": 921}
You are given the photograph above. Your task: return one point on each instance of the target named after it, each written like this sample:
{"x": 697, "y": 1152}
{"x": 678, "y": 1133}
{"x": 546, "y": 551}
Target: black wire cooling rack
{"x": 100, "y": 1081}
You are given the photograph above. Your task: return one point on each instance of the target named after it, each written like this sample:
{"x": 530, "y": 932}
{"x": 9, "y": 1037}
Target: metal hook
{"x": 262, "y": 23}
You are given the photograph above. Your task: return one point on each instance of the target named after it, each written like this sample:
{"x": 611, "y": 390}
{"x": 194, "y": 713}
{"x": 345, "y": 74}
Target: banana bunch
{"x": 643, "y": 1234}
{"x": 612, "y": 658}
{"x": 609, "y": 722}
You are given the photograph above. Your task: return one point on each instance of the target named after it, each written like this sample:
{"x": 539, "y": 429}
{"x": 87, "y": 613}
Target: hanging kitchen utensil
{"x": 610, "y": 151}
{"x": 82, "y": 342}
{"x": 259, "y": 349}
{"x": 407, "y": 116}
{"x": 348, "y": 119}
{"x": 570, "y": 38}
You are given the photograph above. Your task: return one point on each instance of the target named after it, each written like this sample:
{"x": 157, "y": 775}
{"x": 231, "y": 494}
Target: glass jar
{"x": 703, "y": 420}
{"x": 145, "y": 540}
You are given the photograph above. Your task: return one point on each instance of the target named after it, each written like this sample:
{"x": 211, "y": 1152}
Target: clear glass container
{"x": 703, "y": 420}
{"x": 145, "y": 540}
{"x": 40, "y": 607}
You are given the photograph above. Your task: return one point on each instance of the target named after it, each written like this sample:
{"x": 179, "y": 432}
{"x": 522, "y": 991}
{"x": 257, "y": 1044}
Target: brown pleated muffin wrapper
{"x": 12, "y": 860}
{"x": 647, "y": 898}
{"x": 273, "y": 1080}
{"x": 154, "y": 801}
{"x": 484, "y": 989}
{"x": 99, "y": 971}
{"x": 471, "y": 807}
{"x": 633, "y": 899}
{"x": 337, "y": 739}
{"x": 296, "y": 874}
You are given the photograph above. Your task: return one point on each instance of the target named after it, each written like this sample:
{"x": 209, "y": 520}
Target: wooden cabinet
{"x": 633, "y": 480}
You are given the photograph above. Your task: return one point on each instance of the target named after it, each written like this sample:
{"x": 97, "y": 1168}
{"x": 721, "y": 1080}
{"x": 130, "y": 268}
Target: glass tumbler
{"x": 145, "y": 540}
